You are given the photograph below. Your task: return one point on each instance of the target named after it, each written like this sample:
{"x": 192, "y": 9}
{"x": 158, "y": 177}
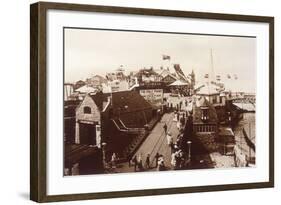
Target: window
{"x": 205, "y": 115}
{"x": 87, "y": 110}
{"x": 214, "y": 98}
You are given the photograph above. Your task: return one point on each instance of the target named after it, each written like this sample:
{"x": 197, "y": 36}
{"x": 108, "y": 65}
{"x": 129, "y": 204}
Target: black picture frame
{"x": 38, "y": 100}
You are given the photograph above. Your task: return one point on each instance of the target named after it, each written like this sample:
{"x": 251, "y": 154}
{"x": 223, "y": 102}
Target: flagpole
{"x": 212, "y": 65}
{"x": 170, "y": 65}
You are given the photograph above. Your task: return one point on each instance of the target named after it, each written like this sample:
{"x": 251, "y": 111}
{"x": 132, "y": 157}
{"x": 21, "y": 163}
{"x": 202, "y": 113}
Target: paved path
{"x": 248, "y": 120}
{"x": 155, "y": 142}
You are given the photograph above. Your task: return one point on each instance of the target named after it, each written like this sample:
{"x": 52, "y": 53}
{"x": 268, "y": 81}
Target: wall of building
{"x": 94, "y": 116}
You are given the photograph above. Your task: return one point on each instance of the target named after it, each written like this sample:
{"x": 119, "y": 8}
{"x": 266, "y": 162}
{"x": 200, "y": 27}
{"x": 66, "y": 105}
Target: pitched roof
{"x": 99, "y": 99}
{"x": 128, "y": 101}
{"x": 124, "y": 101}
{"x": 171, "y": 76}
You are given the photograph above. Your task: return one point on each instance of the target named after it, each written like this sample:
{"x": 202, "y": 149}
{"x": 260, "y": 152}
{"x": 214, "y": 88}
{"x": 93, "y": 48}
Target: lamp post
{"x": 189, "y": 150}
{"x": 103, "y": 154}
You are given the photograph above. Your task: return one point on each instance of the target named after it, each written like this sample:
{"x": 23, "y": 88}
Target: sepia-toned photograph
{"x": 142, "y": 101}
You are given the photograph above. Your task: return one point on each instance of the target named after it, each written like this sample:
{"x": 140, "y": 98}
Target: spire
{"x": 192, "y": 79}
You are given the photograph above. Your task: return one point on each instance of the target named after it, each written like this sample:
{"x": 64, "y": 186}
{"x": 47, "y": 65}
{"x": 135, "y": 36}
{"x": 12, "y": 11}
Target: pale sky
{"x": 90, "y": 52}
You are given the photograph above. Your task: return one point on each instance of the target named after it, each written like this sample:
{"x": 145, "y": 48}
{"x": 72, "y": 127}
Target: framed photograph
{"x": 134, "y": 102}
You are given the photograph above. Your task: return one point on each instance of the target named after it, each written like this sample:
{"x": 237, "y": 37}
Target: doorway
{"x": 87, "y": 133}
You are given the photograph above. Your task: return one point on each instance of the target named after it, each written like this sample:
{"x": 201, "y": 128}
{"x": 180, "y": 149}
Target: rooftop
{"x": 178, "y": 83}
{"x": 124, "y": 101}
{"x": 207, "y": 89}
{"x": 86, "y": 89}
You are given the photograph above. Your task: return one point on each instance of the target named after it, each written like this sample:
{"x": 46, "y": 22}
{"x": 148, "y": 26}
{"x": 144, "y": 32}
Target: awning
{"x": 86, "y": 89}
{"x": 178, "y": 83}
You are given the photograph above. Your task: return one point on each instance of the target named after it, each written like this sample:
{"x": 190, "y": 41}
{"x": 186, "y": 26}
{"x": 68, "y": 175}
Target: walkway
{"x": 155, "y": 142}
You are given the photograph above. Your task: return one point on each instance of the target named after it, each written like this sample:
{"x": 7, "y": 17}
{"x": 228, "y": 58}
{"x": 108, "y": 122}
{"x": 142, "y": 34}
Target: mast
{"x": 250, "y": 137}
{"x": 212, "y": 65}
{"x": 211, "y": 76}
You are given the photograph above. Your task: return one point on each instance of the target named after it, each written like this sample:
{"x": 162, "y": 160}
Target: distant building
{"x": 79, "y": 84}
{"x": 118, "y": 85}
{"x": 147, "y": 76}
{"x": 132, "y": 79}
{"x": 153, "y": 96}
{"x": 119, "y": 74}
{"x": 96, "y": 81}
{"x": 153, "y": 92}
{"x": 68, "y": 91}
{"x": 69, "y": 120}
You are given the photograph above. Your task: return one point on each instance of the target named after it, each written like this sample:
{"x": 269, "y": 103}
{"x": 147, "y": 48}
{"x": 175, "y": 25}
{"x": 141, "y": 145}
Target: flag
{"x": 166, "y": 57}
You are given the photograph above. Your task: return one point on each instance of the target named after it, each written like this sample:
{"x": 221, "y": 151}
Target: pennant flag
{"x": 166, "y": 57}
{"x": 179, "y": 72}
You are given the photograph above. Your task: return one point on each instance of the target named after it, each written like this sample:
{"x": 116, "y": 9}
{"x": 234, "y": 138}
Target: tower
{"x": 192, "y": 79}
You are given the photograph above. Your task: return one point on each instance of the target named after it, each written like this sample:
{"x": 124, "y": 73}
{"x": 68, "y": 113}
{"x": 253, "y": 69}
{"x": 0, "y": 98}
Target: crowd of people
{"x": 138, "y": 163}
{"x": 178, "y": 156}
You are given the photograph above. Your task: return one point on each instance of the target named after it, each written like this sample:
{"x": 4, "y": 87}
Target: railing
{"x": 117, "y": 126}
{"x": 123, "y": 128}
{"x": 136, "y": 129}
{"x": 248, "y": 141}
